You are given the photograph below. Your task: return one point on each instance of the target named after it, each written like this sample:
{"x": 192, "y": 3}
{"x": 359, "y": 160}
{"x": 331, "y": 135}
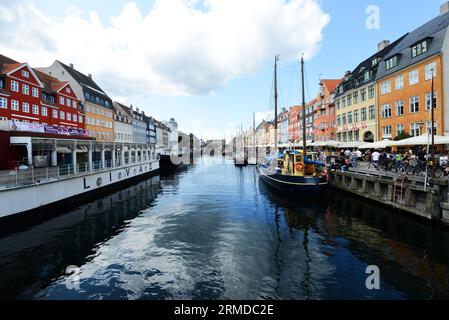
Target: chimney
{"x": 90, "y": 76}
{"x": 444, "y": 8}
{"x": 382, "y": 45}
{"x": 71, "y": 65}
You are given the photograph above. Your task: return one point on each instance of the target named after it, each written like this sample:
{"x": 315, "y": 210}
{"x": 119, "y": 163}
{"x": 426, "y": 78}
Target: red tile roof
{"x": 50, "y": 83}
{"x": 331, "y": 84}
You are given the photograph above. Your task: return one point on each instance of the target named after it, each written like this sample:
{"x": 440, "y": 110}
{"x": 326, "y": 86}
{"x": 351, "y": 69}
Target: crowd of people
{"x": 347, "y": 158}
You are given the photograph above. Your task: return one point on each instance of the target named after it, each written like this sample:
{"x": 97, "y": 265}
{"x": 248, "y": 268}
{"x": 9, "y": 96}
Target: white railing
{"x": 34, "y": 176}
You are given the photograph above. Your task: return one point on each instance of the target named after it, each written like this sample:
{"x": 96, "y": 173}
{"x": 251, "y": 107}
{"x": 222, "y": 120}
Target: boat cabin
{"x": 292, "y": 163}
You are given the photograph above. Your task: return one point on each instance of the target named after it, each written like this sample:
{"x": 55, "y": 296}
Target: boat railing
{"x": 28, "y": 176}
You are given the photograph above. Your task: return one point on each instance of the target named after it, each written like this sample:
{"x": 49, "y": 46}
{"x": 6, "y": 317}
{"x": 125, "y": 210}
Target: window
{"x": 386, "y": 111}
{"x": 25, "y": 89}
{"x": 68, "y": 102}
{"x": 414, "y": 129}
{"x": 338, "y": 104}
{"x": 14, "y": 86}
{"x": 419, "y": 49}
{"x": 349, "y": 99}
{"x": 87, "y": 108}
{"x": 67, "y": 90}
{"x": 385, "y": 87}
{"x": 374, "y": 62}
{"x": 62, "y": 115}
{"x": 431, "y": 68}
{"x": 386, "y": 131}
{"x": 44, "y": 111}
{"x": 372, "y": 113}
{"x": 399, "y": 129}
{"x": 399, "y": 82}
{"x": 356, "y": 116}
{"x": 80, "y": 119}
{"x": 400, "y": 108}
{"x": 350, "y": 136}
{"x": 363, "y": 94}
{"x": 356, "y": 97}
{"x": 343, "y": 118}
{"x": 35, "y": 109}
{"x": 69, "y": 116}
{"x": 35, "y": 92}
{"x": 429, "y": 129}
{"x": 371, "y": 92}
{"x": 338, "y": 120}
{"x": 75, "y": 118}
{"x": 3, "y": 103}
{"x": 391, "y": 63}
{"x": 55, "y": 114}
{"x": 414, "y": 104}
{"x": 14, "y": 105}
{"x": 25, "y": 73}
{"x": 356, "y": 135}
{"x": 74, "y": 104}
{"x": 367, "y": 75}
{"x": 25, "y": 107}
{"x": 98, "y": 122}
{"x": 428, "y": 101}
{"x": 343, "y": 103}
{"x": 61, "y": 100}
{"x": 413, "y": 77}
{"x": 349, "y": 117}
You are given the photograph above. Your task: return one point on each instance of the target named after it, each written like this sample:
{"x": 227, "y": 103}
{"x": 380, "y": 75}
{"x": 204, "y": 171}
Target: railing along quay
{"x": 402, "y": 192}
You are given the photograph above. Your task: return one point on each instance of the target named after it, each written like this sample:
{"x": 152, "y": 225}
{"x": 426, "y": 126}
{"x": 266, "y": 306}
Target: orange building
{"x": 324, "y": 111}
{"x": 404, "y": 82}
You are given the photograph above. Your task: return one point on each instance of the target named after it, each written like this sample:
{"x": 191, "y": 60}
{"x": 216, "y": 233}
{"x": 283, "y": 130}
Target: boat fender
{"x": 299, "y": 166}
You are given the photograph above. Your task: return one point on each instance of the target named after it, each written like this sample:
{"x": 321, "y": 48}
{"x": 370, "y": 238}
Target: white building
{"x": 123, "y": 126}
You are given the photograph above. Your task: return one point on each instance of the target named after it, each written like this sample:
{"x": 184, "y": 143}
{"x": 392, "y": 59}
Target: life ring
{"x": 299, "y": 166}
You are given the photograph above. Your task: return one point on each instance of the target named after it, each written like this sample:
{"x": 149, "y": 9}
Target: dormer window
{"x": 420, "y": 48}
{"x": 391, "y": 63}
{"x": 374, "y": 62}
{"x": 367, "y": 75}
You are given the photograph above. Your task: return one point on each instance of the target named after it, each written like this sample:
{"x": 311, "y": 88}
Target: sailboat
{"x": 293, "y": 170}
{"x": 241, "y": 159}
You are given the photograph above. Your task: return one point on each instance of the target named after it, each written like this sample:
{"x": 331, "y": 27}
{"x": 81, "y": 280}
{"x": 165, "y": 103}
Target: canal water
{"x": 214, "y": 231}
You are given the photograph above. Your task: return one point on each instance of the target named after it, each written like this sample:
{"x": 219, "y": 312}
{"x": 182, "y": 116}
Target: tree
{"x": 401, "y": 136}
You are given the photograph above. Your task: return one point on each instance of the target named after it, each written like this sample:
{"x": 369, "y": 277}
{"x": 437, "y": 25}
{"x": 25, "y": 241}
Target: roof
{"x": 6, "y": 60}
{"x": 435, "y": 29}
{"x": 50, "y": 83}
{"x": 85, "y": 81}
{"x": 356, "y": 78}
{"x": 331, "y": 84}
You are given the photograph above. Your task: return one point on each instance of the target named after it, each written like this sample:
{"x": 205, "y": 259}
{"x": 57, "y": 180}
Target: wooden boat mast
{"x": 303, "y": 110}
{"x": 276, "y": 59}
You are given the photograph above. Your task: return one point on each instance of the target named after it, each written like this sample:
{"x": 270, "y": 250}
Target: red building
{"x": 324, "y": 128}
{"x": 30, "y": 96}
{"x": 20, "y": 92}
{"x": 294, "y": 133}
{"x": 62, "y": 106}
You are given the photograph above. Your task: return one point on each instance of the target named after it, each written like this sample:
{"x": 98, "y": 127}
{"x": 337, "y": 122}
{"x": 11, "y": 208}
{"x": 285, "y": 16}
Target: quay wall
{"x": 28, "y": 198}
{"x": 400, "y": 192}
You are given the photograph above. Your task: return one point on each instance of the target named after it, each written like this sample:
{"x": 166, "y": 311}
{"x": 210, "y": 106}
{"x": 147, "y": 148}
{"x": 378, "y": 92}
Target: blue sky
{"x": 345, "y": 43}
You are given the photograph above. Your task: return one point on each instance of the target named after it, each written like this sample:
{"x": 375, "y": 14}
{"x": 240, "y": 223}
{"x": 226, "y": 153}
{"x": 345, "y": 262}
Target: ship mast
{"x": 304, "y": 141}
{"x": 276, "y": 59}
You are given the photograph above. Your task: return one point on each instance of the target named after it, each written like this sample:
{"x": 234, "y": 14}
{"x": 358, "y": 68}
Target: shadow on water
{"x": 34, "y": 257}
{"x": 411, "y": 254}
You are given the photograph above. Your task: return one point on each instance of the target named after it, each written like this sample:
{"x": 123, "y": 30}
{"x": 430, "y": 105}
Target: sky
{"x": 206, "y": 63}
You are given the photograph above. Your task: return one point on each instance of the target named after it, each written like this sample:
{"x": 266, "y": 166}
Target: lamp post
{"x": 421, "y": 126}
{"x": 432, "y": 121}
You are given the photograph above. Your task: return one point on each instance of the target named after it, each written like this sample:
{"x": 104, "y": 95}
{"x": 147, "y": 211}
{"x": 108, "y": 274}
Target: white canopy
{"x": 330, "y": 143}
{"x": 354, "y": 144}
{"x": 421, "y": 140}
{"x": 376, "y": 145}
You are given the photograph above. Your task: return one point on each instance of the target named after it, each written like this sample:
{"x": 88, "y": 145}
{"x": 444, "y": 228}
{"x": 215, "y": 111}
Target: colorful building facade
{"x": 324, "y": 111}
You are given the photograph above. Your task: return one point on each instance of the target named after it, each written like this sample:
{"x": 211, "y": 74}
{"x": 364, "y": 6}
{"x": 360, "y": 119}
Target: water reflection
{"x": 32, "y": 258}
{"x": 215, "y": 232}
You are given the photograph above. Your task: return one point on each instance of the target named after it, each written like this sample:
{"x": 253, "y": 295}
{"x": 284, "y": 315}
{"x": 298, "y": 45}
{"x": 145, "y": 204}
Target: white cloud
{"x": 181, "y": 47}
{"x": 267, "y": 116}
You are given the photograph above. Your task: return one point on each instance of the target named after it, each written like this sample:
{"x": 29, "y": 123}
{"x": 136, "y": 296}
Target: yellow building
{"x": 98, "y": 106}
{"x": 356, "y": 100}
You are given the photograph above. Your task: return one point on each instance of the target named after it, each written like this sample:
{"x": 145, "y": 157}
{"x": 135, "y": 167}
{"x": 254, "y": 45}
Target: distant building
{"x": 324, "y": 111}
{"x": 151, "y": 130}
{"x": 123, "y": 127}
{"x": 173, "y": 125}
{"x": 162, "y": 134}
{"x": 283, "y": 121}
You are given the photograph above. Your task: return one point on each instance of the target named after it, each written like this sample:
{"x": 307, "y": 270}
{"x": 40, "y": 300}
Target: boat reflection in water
{"x": 33, "y": 258}
{"x": 411, "y": 254}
